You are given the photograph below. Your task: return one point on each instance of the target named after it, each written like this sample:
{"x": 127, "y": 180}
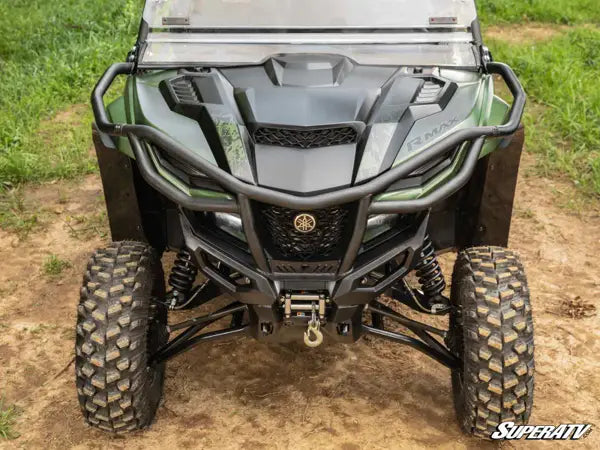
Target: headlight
{"x": 230, "y": 224}
{"x": 379, "y": 224}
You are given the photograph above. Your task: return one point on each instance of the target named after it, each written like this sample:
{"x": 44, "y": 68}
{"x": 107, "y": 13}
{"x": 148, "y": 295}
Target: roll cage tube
{"x": 476, "y": 135}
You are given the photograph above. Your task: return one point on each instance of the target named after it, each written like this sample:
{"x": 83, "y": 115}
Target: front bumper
{"x": 347, "y": 292}
{"x": 344, "y": 286}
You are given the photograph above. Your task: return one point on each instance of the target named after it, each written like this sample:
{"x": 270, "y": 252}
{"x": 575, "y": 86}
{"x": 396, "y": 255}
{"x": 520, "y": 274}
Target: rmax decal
{"x": 431, "y": 135}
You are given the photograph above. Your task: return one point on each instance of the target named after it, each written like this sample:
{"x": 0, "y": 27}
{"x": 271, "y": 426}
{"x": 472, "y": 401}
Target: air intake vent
{"x": 293, "y": 267}
{"x": 184, "y": 92}
{"x": 430, "y": 92}
{"x": 314, "y": 138}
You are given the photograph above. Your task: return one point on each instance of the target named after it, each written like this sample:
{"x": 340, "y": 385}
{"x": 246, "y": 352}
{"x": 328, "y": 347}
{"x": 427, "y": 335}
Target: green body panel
{"x": 117, "y": 112}
{"x": 128, "y": 109}
{"x": 497, "y": 115}
{"x": 150, "y": 108}
{"x": 142, "y": 103}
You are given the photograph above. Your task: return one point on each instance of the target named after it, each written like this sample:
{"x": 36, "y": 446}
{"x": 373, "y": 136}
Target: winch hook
{"x": 313, "y": 336}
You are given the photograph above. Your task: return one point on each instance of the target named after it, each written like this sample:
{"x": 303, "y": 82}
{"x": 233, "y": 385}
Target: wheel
{"x": 491, "y": 330}
{"x": 118, "y": 326}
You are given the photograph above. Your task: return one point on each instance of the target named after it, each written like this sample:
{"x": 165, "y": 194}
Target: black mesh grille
{"x": 322, "y": 137}
{"x": 321, "y": 243}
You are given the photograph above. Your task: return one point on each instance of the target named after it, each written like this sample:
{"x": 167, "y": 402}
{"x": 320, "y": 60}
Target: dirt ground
{"x": 243, "y": 394}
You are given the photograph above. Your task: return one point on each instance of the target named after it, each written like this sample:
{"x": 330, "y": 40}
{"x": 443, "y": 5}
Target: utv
{"x": 307, "y": 158}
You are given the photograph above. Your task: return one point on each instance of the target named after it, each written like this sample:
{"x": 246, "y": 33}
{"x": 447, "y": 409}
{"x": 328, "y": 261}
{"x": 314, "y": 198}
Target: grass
{"x": 54, "y": 266}
{"x": 14, "y": 215}
{"x": 563, "y": 121}
{"x": 566, "y": 12}
{"x": 87, "y": 226}
{"x": 51, "y": 54}
{"x": 42, "y": 329}
{"x": 8, "y": 416}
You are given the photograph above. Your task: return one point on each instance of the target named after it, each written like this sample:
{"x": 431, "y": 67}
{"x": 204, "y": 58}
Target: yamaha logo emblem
{"x": 305, "y": 223}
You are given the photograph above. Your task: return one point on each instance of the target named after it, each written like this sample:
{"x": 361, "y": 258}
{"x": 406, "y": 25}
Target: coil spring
{"x": 183, "y": 274}
{"x": 429, "y": 272}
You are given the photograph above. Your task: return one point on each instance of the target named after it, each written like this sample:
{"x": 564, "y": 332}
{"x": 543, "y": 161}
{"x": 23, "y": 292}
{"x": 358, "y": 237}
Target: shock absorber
{"x": 182, "y": 276}
{"x": 429, "y": 272}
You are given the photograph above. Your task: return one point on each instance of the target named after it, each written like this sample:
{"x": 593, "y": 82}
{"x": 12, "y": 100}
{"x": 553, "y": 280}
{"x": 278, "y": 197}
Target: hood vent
{"x": 183, "y": 90}
{"x": 305, "y": 139}
{"x": 430, "y": 91}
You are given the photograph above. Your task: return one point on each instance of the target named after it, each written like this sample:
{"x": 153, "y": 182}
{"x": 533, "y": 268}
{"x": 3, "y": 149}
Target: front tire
{"x": 491, "y": 330}
{"x": 118, "y": 326}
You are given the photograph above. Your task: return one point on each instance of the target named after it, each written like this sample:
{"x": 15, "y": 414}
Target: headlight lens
{"x": 379, "y": 224}
{"x": 230, "y": 224}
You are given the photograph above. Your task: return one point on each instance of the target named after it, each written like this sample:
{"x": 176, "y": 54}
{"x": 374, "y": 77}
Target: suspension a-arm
{"x": 425, "y": 343}
{"x": 190, "y": 338}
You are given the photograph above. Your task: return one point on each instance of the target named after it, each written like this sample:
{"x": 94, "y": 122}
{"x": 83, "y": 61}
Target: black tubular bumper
{"x": 135, "y": 133}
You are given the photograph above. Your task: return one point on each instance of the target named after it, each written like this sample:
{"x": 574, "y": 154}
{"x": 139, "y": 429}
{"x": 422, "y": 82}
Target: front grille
{"x": 315, "y": 138}
{"x": 284, "y": 241}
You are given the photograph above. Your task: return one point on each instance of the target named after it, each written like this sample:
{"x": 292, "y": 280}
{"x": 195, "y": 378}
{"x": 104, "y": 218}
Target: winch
{"x": 302, "y": 307}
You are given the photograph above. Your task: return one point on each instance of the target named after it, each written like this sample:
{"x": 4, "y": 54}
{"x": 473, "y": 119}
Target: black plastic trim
{"x": 120, "y": 194}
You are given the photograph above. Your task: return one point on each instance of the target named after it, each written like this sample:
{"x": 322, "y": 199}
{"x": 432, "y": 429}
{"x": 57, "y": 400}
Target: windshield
{"x": 309, "y": 14}
{"x": 245, "y": 32}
